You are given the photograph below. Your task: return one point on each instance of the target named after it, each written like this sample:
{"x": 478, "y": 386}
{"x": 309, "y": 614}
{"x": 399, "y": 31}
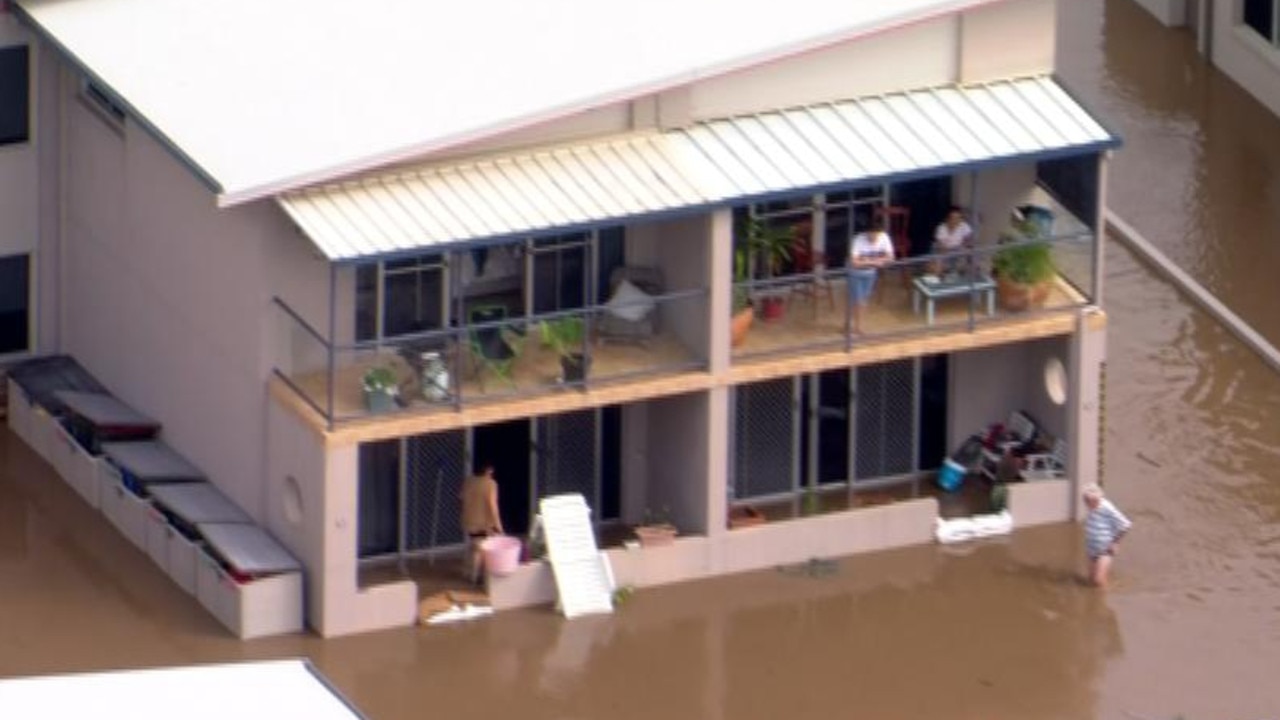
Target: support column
{"x": 720, "y": 289}
{"x": 1084, "y": 433}
{"x": 1100, "y": 228}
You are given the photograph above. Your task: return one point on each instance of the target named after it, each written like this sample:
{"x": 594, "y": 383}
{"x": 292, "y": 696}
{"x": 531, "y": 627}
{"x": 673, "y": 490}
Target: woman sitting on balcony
{"x": 869, "y": 251}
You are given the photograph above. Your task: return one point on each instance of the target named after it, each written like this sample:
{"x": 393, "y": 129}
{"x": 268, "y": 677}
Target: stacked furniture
{"x": 248, "y": 580}
{"x": 90, "y": 421}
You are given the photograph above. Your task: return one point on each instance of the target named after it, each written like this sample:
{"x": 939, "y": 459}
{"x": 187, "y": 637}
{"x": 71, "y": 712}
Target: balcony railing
{"x": 918, "y": 295}
{"x": 489, "y": 356}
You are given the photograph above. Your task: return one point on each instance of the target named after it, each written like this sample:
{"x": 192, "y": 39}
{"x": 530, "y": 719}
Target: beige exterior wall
{"x": 1007, "y": 39}
{"x": 167, "y": 299}
{"x": 866, "y": 66}
{"x": 1244, "y": 56}
{"x": 987, "y": 385}
{"x": 999, "y": 40}
{"x": 312, "y": 508}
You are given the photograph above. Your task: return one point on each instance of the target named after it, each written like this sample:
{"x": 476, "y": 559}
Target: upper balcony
{"x": 499, "y": 348}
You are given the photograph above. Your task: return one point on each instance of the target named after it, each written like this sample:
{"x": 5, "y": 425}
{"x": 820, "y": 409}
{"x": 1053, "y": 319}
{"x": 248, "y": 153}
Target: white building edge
{"x": 225, "y": 235}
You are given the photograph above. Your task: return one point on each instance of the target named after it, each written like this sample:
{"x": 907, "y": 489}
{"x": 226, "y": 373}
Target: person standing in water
{"x": 480, "y": 516}
{"x": 1104, "y": 526}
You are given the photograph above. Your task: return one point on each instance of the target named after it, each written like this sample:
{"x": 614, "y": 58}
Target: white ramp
{"x": 584, "y": 580}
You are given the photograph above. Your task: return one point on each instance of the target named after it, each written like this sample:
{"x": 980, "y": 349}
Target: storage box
{"x": 267, "y": 605}
{"x": 76, "y": 466}
{"x": 157, "y": 537}
{"x": 19, "y": 409}
{"x": 126, "y": 511}
{"x": 183, "y": 557}
{"x": 44, "y": 433}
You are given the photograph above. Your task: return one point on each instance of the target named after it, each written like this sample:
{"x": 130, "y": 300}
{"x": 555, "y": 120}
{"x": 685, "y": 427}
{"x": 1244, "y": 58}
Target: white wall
{"x": 167, "y": 299}
{"x": 911, "y": 57}
{"x": 1008, "y": 39}
{"x": 1245, "y": 56}
{"x": 1000, "y": 189}
{"x": 679, "y": 442}
{"x": 681, "y": 249}
{"x": 986, "y": 385}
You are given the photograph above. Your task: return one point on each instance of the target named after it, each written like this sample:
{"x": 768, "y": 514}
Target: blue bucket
{"x": 950, "y": 475}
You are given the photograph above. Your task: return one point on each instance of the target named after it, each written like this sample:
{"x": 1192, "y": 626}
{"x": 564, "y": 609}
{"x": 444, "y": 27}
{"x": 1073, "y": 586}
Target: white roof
{"x": 243, "y": 691}
{"x": 261, "y": 96}
{"x": 649, "y": 173}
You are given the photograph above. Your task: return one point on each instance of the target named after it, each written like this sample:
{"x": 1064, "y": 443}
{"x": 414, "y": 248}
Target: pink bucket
{"x": 501, "y": 554}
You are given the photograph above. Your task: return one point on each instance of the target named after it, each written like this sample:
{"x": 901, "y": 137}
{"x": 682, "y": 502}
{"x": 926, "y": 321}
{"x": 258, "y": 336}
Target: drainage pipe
{"x": 1125, "y": 233}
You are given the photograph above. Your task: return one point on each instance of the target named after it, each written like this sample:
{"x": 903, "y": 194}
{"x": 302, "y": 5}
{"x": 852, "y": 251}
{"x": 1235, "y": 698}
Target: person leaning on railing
{"x": 869, "y": 251}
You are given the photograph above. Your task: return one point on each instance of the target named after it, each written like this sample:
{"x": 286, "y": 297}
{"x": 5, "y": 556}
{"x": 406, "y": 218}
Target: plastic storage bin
{"x": 77, "y": 466}
{"x": 173, "y": 532}
{"x": 249, "y": 581}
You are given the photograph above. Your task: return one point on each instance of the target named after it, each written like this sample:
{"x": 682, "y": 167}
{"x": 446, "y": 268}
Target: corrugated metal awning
{"x": 710, "y": 163}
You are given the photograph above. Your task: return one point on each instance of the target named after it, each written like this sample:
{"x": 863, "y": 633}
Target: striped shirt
{"x": 1102, "y": 527}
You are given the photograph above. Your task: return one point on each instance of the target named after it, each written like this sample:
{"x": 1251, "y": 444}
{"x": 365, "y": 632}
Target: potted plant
{"x": 1024, "y": 269}
{"x": 380, "y": 389}
{"x": 656, "y": 530}
{"x": 565, "y": 337}
{"x": 767, "y": 247}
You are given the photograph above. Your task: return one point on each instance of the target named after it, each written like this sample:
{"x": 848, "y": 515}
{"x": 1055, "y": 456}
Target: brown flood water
{"x": 996, "y": 630}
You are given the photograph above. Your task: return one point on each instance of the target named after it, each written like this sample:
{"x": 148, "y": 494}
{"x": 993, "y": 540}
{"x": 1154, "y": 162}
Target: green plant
{"x": 1024, "y": 261}
{"x": 564, "y": 335}
{"x": 658, "y": 518}
{"x": 381, "y": 378}
{"x": 761, "y": 244}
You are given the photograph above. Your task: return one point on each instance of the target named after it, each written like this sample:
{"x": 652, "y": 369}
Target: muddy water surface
{"x": 998, "y": 630}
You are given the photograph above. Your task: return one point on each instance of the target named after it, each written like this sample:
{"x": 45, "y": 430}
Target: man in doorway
{"x": 480, "y": 516}
{"x": 1104, "y": 526}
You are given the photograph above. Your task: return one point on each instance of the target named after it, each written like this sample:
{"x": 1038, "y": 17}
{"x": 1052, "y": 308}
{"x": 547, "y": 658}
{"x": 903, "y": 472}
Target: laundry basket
{"x": 501, "y": 554}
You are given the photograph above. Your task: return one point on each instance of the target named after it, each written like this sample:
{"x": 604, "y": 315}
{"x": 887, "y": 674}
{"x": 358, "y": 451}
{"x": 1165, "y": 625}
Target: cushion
{"x": 630, "y": 303}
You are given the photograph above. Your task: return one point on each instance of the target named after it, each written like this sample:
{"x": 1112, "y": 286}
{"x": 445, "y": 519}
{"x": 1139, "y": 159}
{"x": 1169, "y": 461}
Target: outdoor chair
{"x": 631, "y": 314}
{"x": 1048, "y": 465}
{"x": 494, "y": 349}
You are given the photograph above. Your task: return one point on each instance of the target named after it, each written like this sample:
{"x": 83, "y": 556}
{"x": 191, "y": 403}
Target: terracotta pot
{"x": 772, "y": 308}
{"x": 655, "y": 535}
{"x": 1017, "y": 297}
{"x": 745, "y": 517}
{"x": 741, "y": 324}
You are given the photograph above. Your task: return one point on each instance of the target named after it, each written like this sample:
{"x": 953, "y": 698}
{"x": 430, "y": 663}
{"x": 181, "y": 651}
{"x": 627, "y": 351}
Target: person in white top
{"x": 1104, "y": 526}
{"x": 952, "y": 236}
{"x": 868, "y": 252}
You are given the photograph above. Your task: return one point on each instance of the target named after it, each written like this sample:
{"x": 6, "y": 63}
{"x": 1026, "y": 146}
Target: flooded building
{"x": 1240, "y": 37}
{"x": 348, "y": 263}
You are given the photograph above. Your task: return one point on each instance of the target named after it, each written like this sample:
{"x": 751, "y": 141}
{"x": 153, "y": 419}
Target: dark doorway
{"x": 933, "y": 411}
{"x": 507, "y": 446}
{"x": 611, "y": 462}
{"x": 928, "y": 200}
{"x": 378, "y": 499}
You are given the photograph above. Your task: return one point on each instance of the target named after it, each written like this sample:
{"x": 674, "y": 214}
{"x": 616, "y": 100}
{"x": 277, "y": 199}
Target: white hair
{"x": 1092, "y": 491}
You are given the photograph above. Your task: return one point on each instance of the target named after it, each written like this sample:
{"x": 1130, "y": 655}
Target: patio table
{"x": 941, "y": 289}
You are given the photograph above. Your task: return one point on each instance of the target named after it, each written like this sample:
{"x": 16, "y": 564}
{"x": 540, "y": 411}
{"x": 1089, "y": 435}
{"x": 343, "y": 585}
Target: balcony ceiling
{"x": 717, "y": 162}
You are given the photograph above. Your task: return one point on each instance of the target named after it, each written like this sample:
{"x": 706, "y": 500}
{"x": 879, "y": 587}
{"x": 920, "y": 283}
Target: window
{"x": 102, "y": 102}
{"x": 1264, "y": 17}
{"x": 412, "y": 297}
{"x": 15, "y": 294}
{"x": 14, "y": 96}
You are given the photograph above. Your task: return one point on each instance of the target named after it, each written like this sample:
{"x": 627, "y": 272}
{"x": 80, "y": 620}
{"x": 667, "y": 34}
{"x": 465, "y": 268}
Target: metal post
{"x": 402, "y": 477}
{"x": 591, "y": 300}
{"x": 458, "y": 328}
{"x": 333, "y": 334}
{"x": 975, "y": 224}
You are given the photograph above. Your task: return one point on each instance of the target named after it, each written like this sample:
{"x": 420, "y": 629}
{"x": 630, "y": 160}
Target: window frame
{"x": 1274, "y": 39}
{"x": 30, "y": 306}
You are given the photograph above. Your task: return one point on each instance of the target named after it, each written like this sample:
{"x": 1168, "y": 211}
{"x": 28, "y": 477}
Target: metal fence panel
{"x": 435, "y": 468}
{"x": 764, "y": 439}
{"x": 886, "y": 406}
{"x": 567, "y": 455}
